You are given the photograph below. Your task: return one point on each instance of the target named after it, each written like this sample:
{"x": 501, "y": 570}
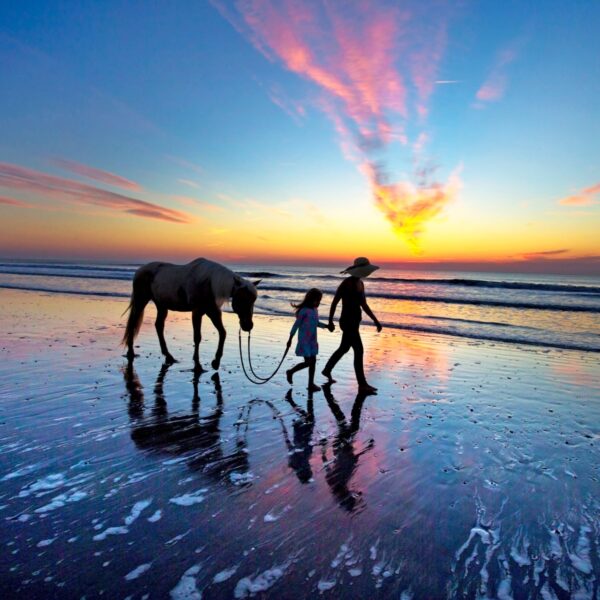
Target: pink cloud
{"x": 67, "y": 190}
{"x": 587, "y": 197}
{"x": 97, "y": 174}
{"x": 189, "y": 201}
{"x": 12, "y": 202}
{"x": 185, "y": 164}
{"x": 375, "y": 65}
{"x": 189, "y": 183}
{"x": 543, "y": 254}
{"x": 592, "y": 190}
{"x": 494, "y": 86}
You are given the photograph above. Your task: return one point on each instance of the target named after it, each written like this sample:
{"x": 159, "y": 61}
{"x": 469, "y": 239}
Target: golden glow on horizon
{"x": 292, "y": 235}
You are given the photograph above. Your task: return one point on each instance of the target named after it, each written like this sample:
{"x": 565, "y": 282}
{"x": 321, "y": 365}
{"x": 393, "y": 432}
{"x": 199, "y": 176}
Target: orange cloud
{"x": 587, "y": 197}
{"x": 97, "y": 174}
{"x": 409, "y": 207}
{"x": 27, "y": 180}
{"x": 376, "y": 67}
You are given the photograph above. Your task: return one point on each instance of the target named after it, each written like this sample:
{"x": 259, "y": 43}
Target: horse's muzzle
{"x": 246, "y": 325}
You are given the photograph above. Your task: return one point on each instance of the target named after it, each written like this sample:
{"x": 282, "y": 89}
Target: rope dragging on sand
{"x": 258, "y": 380}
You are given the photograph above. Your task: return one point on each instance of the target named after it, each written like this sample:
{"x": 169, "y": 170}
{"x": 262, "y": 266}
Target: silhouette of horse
{"x": 201, "y": 287}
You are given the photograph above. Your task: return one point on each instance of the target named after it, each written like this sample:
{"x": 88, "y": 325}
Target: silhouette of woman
{"x": 352, "y": 294}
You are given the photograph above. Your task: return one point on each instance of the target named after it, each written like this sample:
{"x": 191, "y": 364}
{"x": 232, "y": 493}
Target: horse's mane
{"x": 221, "y": 279}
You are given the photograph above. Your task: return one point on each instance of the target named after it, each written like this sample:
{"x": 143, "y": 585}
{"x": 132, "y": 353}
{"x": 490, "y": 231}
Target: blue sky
{"x": 203, "y": 100}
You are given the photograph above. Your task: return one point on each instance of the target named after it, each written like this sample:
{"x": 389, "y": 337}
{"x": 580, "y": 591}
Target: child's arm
{"x": 294, "y": 329}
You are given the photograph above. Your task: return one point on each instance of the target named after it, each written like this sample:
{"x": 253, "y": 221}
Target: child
{"x": 307, "y": 321}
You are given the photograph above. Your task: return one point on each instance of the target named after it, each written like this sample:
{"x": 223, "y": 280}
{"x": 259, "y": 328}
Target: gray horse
{"x": 201, "y": 287}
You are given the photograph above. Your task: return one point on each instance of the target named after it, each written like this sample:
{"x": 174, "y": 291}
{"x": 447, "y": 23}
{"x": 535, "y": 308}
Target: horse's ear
{"x": 255, "y": 283}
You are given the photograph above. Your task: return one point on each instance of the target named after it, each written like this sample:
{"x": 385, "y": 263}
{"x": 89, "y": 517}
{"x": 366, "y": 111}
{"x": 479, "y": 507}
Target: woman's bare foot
{"x": 327, "y": 374}
{"x": 289, "y": 375}
{"x": 314, "y": 388}
{"x": 365, "y": 388}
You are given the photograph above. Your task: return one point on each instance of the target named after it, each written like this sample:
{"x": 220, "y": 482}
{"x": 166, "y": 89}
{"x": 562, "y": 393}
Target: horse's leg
{"x": 197, "y": 324}
{"x": 161, "y": 316}
{"x": 217, "y": 320}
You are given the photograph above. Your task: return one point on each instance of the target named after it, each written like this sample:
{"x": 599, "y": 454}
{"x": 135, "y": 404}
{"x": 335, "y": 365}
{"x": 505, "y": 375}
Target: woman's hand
{"x": 331, "y": 326}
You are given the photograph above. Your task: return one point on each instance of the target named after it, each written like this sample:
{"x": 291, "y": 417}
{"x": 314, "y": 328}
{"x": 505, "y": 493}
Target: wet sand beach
{"x": 474, "y": 472}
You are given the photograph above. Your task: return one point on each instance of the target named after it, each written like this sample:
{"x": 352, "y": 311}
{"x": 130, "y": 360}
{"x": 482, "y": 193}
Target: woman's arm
{"x": 369, "y": 312}
{"x": 336, "y": 299}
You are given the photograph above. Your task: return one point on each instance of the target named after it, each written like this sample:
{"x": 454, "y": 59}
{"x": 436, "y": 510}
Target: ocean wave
{"x": 6, "y": 267}
{"x": 262, "y": 274}
{"x": 459, "y": 300}
{"x": 124, "y": 272}
{"x": 115, "y": 276}
{"x": 10, "y": 286}
{"x": 505, "y": 333}
{"x": 376, "y": 295}
{"x": 478, "y": 283}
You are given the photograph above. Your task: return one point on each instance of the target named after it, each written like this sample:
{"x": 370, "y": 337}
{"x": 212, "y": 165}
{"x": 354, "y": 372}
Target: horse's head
{"x": 242, "y": 302}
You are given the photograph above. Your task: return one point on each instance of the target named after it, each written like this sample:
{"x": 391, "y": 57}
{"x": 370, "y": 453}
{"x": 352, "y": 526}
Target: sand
{"x": 474, "y": 472}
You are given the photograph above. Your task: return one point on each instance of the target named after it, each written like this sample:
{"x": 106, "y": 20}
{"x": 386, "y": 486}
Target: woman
{"x": 352, "y": 294}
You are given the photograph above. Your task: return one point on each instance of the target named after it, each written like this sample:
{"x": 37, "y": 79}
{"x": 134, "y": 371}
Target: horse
{"x": 202, "y": 287}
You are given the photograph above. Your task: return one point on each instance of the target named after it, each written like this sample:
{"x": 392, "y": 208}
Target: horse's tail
{"x": 140, "y": 296}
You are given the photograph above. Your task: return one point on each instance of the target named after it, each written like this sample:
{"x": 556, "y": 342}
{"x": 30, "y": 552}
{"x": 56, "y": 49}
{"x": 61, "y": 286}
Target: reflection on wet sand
{"x": 340, "y": 469}
{"x": 198, "y": 436}
{"x": 301, "y": 449}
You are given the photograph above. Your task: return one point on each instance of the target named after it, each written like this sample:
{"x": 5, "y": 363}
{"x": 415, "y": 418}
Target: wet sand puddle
{"x": 473, "y": 473}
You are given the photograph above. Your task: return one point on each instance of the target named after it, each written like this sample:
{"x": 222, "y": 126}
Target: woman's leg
{"x": 345, "y": 345}
{"x": 359, "y": 370}
{"x": 359, "y": 353}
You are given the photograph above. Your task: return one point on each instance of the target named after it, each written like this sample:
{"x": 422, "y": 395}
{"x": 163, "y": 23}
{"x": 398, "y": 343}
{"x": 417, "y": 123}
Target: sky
{"x": 413, "y": 132}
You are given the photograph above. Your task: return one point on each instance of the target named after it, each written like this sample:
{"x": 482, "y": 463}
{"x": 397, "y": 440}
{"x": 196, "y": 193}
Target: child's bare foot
{"x": 327, "y": 374}
{"x": 289, "y": 375}
{"x": 314, "y": 388}
{"x": 365, "y": 388}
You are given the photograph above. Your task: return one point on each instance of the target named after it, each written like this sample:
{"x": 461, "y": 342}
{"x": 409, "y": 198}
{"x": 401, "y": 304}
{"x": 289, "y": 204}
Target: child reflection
{"x": 300, "y": 450}
{"x": 340, "y": 469}
{"x": 189, "y": 434}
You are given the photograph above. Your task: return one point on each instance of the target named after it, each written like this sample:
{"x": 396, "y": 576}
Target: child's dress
{"x": 306, "y": 324}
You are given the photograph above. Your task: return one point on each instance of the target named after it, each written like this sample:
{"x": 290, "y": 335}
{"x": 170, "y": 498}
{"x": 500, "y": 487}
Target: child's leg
{"x": 312, "y": 364}
{"x": 290, "y": 372}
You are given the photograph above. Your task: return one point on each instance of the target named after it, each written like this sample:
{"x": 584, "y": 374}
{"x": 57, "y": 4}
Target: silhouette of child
{"x": 307, "y": 321}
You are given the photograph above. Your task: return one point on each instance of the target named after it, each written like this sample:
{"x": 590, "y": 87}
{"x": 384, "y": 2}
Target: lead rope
{"x": 258, "y": 379}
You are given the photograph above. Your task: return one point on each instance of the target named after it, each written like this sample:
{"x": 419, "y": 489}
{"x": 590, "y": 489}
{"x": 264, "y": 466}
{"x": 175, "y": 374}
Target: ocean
{"x": 541, "y": 310}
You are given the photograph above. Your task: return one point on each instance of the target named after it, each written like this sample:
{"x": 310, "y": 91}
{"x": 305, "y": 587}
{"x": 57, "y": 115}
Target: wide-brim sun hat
{"x": 361, "y": 268}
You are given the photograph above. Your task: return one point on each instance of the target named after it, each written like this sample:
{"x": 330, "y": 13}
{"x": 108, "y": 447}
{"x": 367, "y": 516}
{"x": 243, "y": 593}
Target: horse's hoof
{"x": 198, "y": 368}
{"x": 170, "y": 359}
{"x": 130, "y": 357}
{"x": 215, "y": 364}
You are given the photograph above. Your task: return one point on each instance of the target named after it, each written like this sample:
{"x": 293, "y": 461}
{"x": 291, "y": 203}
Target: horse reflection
{"x": 190, "y": 434}
{"x": 340, "y": 469}
{"x": 300, "y": 450}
